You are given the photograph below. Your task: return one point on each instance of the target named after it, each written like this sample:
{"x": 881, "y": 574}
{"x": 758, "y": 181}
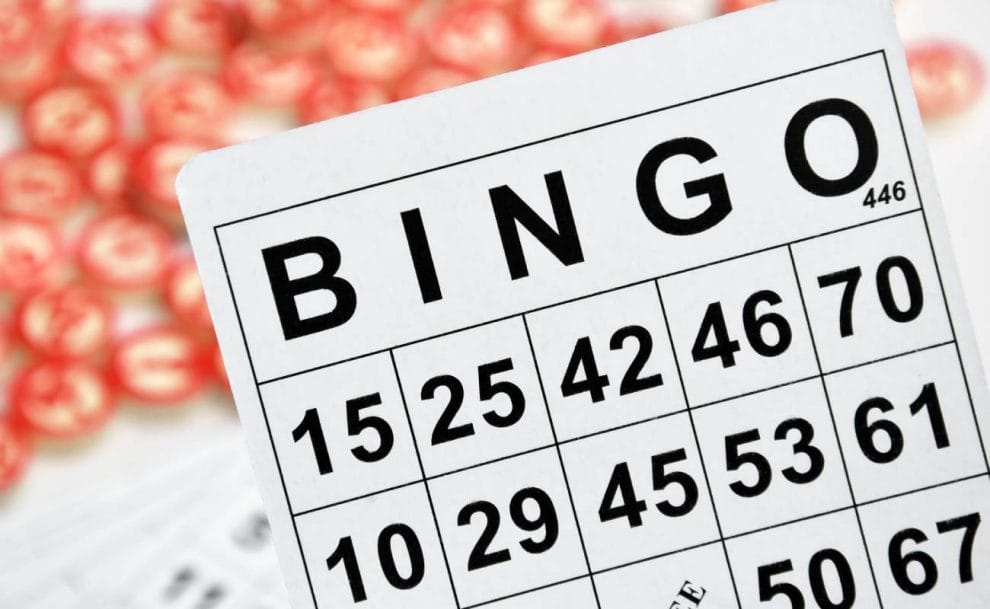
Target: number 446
{"x": 886, "y": 194}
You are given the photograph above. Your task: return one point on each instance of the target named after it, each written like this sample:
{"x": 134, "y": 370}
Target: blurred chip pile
{"x": 111, "y": 106}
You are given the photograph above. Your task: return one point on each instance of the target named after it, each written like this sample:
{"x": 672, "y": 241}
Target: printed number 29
{"x": 546, "y": 519}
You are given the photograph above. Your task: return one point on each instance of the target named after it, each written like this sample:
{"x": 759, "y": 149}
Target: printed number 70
{"x": 884, "y": 282}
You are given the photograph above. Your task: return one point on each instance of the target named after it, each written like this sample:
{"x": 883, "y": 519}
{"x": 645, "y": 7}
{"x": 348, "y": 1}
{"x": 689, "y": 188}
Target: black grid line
{"x": 591, "y": 295}
{"x": 859, "y": 504}
{"x": 271, "y": 438}
{"x": 890, "y": 357}
{"x": 938, "y": 269}
{"x": 560, "y": 458}
{"x": 551, "y": 138}
{"x": 426, "y": 485}
{"x": 383, "y": 491}
{"x": 607, "y": 430}
{"x": 734, "y": 536}
{"x": 923, "y": 489}
{"x": 835, "y": 426}
{"x": 697, "y": 444}
{"x": 530, "y": 591}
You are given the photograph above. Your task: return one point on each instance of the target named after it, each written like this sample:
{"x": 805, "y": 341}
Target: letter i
{"x": 422, "y": 257}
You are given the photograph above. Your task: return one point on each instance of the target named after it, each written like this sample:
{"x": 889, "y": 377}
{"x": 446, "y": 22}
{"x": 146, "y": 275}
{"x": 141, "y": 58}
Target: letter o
{"x": 866, "y": 145}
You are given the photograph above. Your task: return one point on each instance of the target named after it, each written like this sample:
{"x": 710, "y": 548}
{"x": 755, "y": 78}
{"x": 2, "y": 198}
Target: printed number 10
{"x": 344, "y": 553}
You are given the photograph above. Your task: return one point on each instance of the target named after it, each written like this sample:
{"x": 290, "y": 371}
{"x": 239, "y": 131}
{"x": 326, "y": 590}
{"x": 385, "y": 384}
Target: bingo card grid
{"x": 725, "y": 537}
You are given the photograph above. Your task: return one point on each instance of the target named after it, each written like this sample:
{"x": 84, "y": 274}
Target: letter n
{"x": 511, "y": 212}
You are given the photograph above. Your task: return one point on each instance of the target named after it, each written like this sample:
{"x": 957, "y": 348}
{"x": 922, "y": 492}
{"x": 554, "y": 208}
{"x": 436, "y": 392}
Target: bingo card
{"x": 670, "y": 324}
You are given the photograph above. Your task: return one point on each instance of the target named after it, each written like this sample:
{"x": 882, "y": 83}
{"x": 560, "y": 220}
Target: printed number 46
{"x": 713, "y": 340}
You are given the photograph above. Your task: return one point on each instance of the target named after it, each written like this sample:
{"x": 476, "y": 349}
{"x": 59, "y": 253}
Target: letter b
{"x": 285, "y": 289}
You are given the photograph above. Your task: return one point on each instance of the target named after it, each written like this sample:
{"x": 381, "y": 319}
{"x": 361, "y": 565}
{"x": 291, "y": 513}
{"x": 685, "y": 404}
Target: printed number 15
{"x": 357, "y": 422}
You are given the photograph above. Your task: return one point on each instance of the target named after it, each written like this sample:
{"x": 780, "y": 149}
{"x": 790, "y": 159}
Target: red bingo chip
{"x": 573, "y": 25}
{"x": 39, "y": 185}
{"x": 154, "y": 171}
{"x": 67, "y": 321}
{"x": 125, "y": 251}
{"x": 729, "y": 6}
{"x": 336, "y": 97}
{"x": 108, "y": 49}
{"x": 71, "y": 120}
{"x": 283, "y": 16}
{"x": 29, "y": 254}
{"x": 384, "y": 6}
{"x": 198, "y": 27}
{"x": 474, "y": 36}
{"x": 184, "y": 294}
{"x": 268, "y": 76}
{"x": 5, "y": 339}
{"x": 543, "y": 56}
{"x": 218, "y": 368}
{"x": 61, "y": 398}
{"x": 187, "y": 104}
{"x": 368, "y": 46}
{"x": 160, "y": 365}
{"x": 621, "y": 30}
{"x": 429, "y": 79}
{"x": 20, "y": 24}
{"x": 947, "y": 77}
{"x": 57, "y": 13}
{"x": 14, "y": 455}
{"x": 23, "y": 76}
{"x": 107, "y": 175}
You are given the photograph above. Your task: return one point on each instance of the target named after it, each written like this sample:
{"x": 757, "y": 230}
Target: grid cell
{"x": 738, "y": 326}
{"x": 819, "y": 562}
{"x": 380, "y": 551}
{"x": 930, "y": 548}
{"x": 469, "y": 410}
{"x": 508, "y": 527}
{"x": 606, "y": 361}
{"x": 872, "y": 292}
{"x": 772, "y": 457}
{"x": 640, "y": 492}
{"x": 659, "y": 582}
{"x": 340, "y": 432}
{"x": 905, "y": 423}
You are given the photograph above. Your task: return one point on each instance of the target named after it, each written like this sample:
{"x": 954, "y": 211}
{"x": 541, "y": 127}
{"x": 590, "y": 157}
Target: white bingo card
{"x": 670, "y": 324}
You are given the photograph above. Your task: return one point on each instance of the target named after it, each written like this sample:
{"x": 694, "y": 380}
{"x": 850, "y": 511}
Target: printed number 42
{"x": 887, "y": 192}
